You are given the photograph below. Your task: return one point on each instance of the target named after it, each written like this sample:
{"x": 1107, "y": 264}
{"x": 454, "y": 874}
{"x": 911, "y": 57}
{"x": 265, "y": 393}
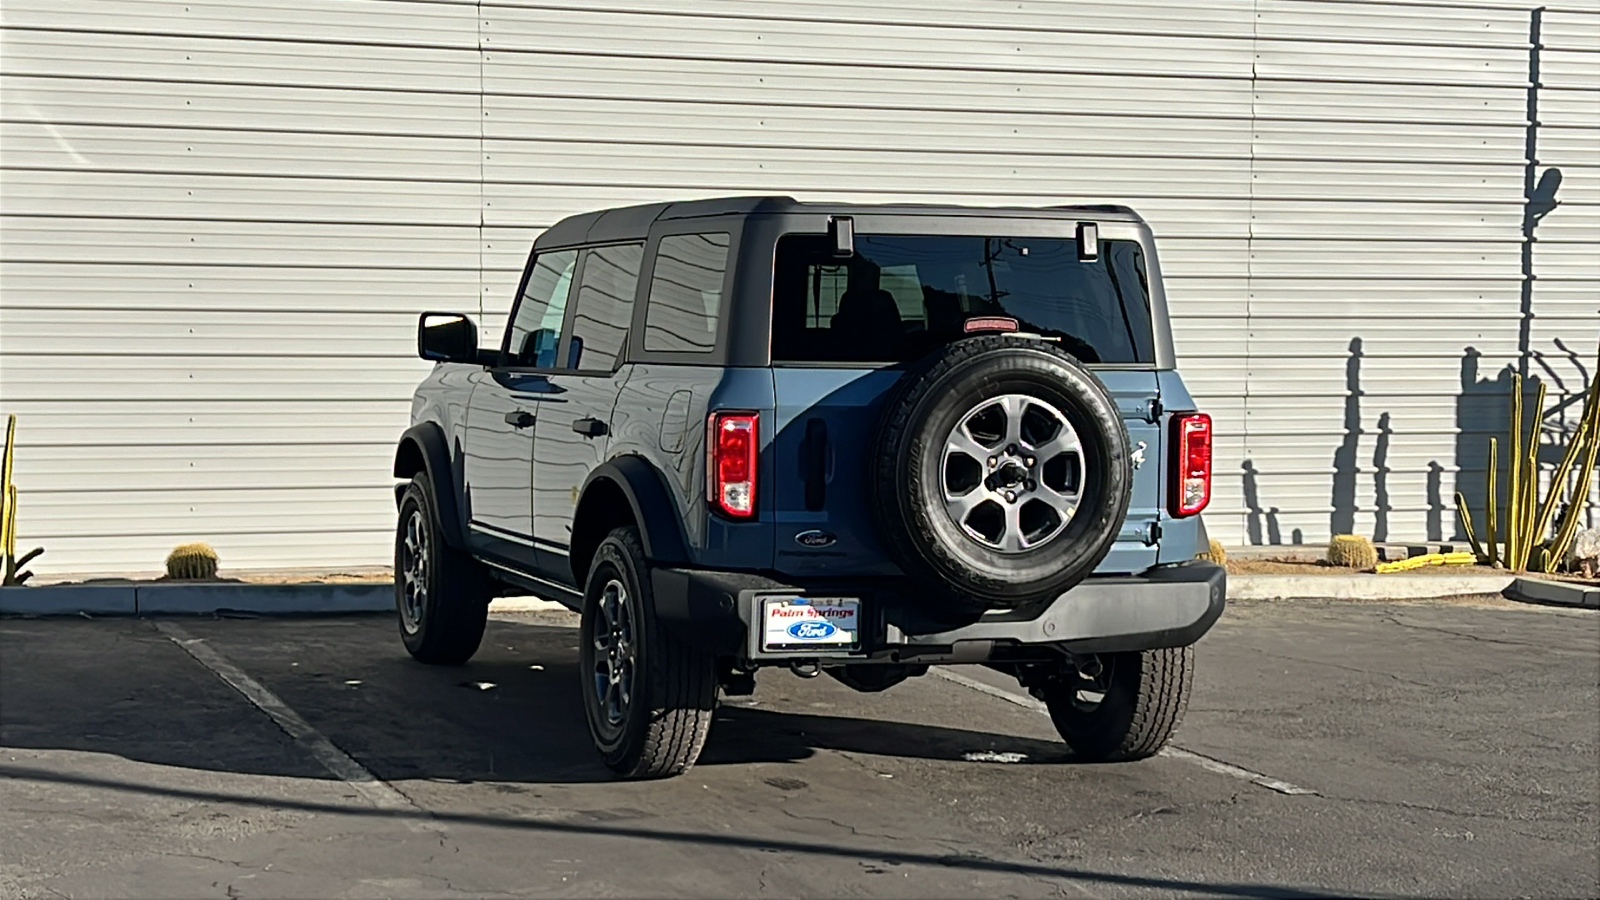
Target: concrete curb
{"x": 266, "y": 599}
{"x": 206, "y": 599}
{"x": 69, "y": 600}
{"x": 1559, "y": 593}
{"x": 1363, "y": 586}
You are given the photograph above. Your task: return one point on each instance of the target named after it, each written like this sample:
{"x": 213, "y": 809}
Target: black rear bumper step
{"x": 1169, "y": 606}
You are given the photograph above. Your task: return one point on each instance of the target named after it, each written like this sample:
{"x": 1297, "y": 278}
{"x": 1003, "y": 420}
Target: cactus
{"x": 1568, "y": 527}
{"x": 1494, "y": 503}
{"x": 192, "y": 562}
{"x": 1352, "y": 551}
{"x": 1530, "y": 541}
{"x": 12, "y": 574}
{"x": 1214, "y": 553}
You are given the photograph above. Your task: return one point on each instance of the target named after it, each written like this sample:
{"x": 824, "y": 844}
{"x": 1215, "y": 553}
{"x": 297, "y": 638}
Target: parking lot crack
{"x": 854, "y": 831}
{"x": 1464, "y": 634}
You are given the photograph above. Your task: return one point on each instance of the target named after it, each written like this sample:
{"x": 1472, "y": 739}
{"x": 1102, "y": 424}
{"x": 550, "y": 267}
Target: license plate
{"x": 802, "y": 623}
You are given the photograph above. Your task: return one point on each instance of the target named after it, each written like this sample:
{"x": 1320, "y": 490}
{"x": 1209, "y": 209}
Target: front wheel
{"x": 1119, "y": 707}
{"x": 648, "y": 696}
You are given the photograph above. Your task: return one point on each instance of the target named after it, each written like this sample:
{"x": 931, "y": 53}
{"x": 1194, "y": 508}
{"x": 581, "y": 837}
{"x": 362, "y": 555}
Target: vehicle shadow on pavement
{"x": 746, "y": 735}
{"x": 512, "y": 715}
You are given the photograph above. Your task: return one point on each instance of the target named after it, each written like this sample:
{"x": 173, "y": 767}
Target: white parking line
{"x": 374, "y": 789}
{"x": 1201, "y": 760}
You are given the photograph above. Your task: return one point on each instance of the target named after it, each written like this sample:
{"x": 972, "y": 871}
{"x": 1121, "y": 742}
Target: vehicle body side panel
{"x": 660, "y": 417}
{"x": 1181, "y": 538}
{"x": 1136, "y": 392}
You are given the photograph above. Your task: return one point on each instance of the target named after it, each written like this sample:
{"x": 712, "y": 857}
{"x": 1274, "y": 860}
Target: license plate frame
{"x": 793, "y": 624}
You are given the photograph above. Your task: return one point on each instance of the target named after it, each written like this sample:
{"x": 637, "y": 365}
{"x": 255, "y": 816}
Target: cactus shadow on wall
{"x": 1257, "y": 517}
{"x": 1346, "y": 472}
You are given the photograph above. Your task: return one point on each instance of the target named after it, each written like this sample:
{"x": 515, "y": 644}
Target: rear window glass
{"x": 900, "y": 296}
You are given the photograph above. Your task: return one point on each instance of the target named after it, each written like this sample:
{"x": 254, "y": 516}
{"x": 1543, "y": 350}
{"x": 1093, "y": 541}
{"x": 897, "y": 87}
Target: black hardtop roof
{"x": 627, "y": 223}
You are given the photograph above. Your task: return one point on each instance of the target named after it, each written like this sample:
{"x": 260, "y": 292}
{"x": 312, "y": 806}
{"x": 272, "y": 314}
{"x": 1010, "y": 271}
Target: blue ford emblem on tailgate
{"x": 811, "y": 630}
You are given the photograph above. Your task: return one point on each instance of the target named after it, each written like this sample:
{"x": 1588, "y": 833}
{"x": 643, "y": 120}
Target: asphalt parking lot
{"x": 1347, "y": 749}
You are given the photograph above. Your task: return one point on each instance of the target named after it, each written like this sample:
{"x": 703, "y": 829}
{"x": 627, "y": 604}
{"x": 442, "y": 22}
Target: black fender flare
{"x": 659, "y": 520}
{"x": 427, "y": 440}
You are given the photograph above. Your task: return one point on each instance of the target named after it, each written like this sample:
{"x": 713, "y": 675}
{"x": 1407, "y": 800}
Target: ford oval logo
{"x": 814, "y": 538}
{"x": 811, "y": 630}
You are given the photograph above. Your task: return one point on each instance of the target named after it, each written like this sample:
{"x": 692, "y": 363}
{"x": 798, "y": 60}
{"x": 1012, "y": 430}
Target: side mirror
{"x": 447, "y": 337}
{"x": 574, "y": 351}
{"x": 539, "y": 349}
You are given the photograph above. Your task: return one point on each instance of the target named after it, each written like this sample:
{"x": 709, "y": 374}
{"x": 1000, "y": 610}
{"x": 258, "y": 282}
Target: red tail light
{"x": 1191, "y": 463}
{"x": 731, "y": 467}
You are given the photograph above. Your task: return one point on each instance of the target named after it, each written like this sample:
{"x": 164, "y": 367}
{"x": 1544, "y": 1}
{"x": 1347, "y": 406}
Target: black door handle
{"x": 589, "y": 427}
{"x": 519, "y": 419}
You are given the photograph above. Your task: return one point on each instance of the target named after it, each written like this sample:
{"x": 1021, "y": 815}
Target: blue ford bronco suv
{"x": 751, "y": 432}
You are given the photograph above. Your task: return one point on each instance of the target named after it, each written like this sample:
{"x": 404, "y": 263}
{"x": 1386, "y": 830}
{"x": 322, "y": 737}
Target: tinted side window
{"x": 605, "y": 306}
{"x": 531, "y": 338}
{"x": 686, "y": 293}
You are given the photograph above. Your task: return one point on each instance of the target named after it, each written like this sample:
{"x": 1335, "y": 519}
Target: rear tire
{"x": 1145, "y": 695}
{"x": 648, "y": 696}
{"x": 441, "y": 593}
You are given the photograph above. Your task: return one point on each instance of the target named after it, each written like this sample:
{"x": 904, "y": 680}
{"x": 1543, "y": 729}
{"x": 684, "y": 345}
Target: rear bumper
{"x": 1169, "y": 606}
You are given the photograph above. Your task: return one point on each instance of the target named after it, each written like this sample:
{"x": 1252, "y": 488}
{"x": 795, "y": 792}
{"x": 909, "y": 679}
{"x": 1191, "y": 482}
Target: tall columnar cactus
{"x": 11, "y": 576}
{"x": 192, "y": 562}
{"x": 1529, "y": 543}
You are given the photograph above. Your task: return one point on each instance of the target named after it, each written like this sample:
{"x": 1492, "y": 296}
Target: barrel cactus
{"x": 1352, "y": 551}
{"x": 1214, "y": 553}
{"x": 192, "y": 562}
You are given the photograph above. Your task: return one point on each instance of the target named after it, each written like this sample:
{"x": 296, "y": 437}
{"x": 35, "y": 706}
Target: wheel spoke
{"x": 1012, "y": 540}
{"x": 1065, "y": 441}
{"x": 963, "y": 443}
{"x": 1065, "y": 503}
{"x": 961, "y": 507}
{"x": 1014, "y": 405}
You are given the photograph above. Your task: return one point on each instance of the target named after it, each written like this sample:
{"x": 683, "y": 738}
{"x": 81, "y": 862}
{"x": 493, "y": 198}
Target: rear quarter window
{"x": 900, "y": 296}
{"x": 686, "y": 293}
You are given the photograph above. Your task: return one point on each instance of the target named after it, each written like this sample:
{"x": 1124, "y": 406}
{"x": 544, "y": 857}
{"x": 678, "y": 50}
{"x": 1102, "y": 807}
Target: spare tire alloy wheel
{"x": 1013, "y": 473}
{"x": 1003, "y": 474}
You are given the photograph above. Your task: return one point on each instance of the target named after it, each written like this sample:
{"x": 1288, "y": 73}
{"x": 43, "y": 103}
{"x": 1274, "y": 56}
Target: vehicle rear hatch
{"x": 843, "y": 329}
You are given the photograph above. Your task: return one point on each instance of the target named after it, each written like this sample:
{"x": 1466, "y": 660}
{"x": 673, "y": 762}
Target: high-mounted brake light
{"x": 731, "y": 466}
{"x": 1191, "y": 463}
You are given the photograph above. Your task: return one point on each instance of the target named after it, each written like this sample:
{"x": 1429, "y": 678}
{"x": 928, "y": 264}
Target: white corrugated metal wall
{"x": 220, "y": 218}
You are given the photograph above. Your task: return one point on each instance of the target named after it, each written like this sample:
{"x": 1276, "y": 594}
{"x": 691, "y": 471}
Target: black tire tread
{"x": 681, "y": 685}
{"x": 459, "y": 591}
{"x": 1158, "y": 703}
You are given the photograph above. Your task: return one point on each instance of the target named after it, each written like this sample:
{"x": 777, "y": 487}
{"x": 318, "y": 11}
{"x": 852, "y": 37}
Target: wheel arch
{"x": 423, "y": 449}
{"x": 626, "y": 491}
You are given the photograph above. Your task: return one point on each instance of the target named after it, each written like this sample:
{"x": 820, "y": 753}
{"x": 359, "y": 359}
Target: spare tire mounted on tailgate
{"x": 1003, "y": 472}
